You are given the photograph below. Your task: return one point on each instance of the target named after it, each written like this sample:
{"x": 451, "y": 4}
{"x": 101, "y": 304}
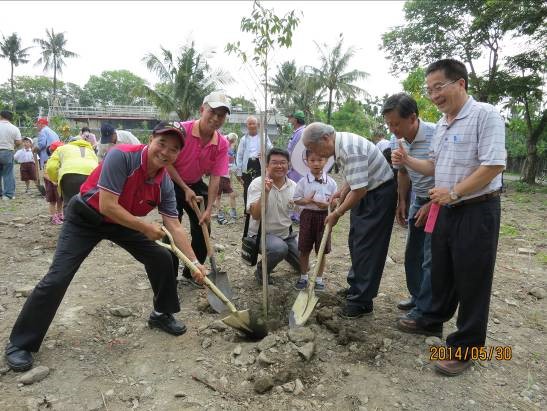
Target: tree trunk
{"x": 529, "y": 169}
{"x": 12, "y": 90}
{"x": 329, "y": 107}
{"x": 54, "y": 79}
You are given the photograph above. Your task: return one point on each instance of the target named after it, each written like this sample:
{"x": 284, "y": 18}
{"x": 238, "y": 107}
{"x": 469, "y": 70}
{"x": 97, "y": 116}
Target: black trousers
{"x": 198, "y": 241}
{"x": 70, "y": 186}
{"x": 77, "y": 238}
{"x": 463, "y": 247}
{"x": 371, "y": 222}
{"x": 253, "y": 171}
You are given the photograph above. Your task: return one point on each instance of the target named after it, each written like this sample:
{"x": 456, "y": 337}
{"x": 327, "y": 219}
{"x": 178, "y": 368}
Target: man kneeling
{"x": 129, "y": 183}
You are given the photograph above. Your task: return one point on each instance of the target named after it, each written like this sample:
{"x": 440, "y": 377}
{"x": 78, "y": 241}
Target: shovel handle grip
{"x": 194, "y": 269}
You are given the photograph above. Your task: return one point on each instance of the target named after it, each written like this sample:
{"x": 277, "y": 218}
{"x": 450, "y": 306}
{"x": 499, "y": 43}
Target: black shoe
{"x": 412, "y": 327}
{"x": 406, "y": 305}
{"x": 258, "y": 276}
{"x": 354, "y": 311}
{"x": 167, "y": 323}
{"x": 17, "y": 358}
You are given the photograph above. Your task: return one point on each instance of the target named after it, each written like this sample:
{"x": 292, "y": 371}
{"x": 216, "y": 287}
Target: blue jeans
{"x": 418, "y": 262}
{"x": 7, "y": 179}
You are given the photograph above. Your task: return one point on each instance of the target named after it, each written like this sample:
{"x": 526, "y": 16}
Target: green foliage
{"x": 184, "y": 80}
{"x": 113, "y": 88}
{"x": 414, "y": 85}
{"x": 525, "y": 188}
{"x": 507, "y": 230}
{"x": 246, "y": 105}
{"x": 351, "y": 117}
{"x": 53, "y": 54}
{"x": 11, "y": 49}
{"x": 333, "y": 76}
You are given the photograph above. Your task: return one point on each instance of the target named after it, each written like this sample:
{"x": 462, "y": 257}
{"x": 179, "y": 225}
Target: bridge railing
{"x": 108, "y": 111}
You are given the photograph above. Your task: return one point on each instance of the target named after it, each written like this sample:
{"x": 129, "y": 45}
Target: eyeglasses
{"x": 279, "y": 163}
{"x": 437, "y": 88}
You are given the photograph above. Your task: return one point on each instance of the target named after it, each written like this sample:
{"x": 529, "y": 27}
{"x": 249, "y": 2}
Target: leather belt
{"x": 479, "y": 199}
{"x": 423, "y": 198}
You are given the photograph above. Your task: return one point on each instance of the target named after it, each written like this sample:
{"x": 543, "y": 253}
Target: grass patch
{"x": 521, "y": 187}
{"x": 522, "y": 198}
{"x": 542, "y": 257}
{"x": 507, "y": 230}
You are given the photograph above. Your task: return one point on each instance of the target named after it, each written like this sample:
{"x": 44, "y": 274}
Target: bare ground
{"x": 99, "y": 360}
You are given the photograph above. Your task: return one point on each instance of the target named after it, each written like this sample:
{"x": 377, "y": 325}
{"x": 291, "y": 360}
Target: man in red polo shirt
{"x": 129, "y": 183}
{"x": 205, "y": 153}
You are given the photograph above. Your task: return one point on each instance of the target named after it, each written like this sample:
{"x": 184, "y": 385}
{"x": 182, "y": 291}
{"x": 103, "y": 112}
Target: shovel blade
{"x": 239, "y": 320}
{"x": 302, "y": 308}
{"x": 219, "y": 279}
{"x": 223, "y": 283}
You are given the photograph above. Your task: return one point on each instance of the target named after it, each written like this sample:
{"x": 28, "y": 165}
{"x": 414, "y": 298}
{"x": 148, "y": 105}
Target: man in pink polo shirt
{"x": 205, "y": 152}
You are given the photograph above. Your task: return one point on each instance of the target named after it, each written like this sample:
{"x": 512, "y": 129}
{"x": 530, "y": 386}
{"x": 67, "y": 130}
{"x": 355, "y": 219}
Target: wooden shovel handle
{"x": 199, "y": 211}
{"x": 194, "y": 269}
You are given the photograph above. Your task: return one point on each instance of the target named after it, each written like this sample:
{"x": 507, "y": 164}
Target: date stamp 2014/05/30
{"x": 495, "y": 352}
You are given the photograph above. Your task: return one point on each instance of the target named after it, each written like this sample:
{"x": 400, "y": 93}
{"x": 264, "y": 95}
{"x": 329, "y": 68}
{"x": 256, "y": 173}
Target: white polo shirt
{"x": 280, "y": 203}
{"x": 476, "y": 137}
{"x": 8, "y": 135}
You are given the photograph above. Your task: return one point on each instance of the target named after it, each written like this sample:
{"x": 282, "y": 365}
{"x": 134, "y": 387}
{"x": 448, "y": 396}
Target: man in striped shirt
{"x": 400, "y": 112}
{"x": 467, "y": 157}
{"x": 369, "y": 192}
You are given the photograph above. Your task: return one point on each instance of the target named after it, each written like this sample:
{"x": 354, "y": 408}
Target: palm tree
{"x": 53, "y": 54}
{"x": 283, "y": 86}
{"x": 10, "y": 48}
{"x": 184, "y": 80}
{"x": 332, "y": 73}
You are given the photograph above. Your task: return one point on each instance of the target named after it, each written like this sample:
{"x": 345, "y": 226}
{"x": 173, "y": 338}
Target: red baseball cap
{"x": 42, "y": 121}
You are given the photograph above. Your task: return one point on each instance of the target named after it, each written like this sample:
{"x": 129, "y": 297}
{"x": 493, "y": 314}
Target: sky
{"x": 116, "y": 35}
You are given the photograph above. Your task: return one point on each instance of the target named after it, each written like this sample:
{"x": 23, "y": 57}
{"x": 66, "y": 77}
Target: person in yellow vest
{"x": 69, "y": 166}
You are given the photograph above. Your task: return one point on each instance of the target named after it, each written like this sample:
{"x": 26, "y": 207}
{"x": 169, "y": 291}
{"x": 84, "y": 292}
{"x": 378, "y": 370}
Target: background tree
{"x": 474, "y": 32}
{"x": 11, "y": 49}
{"x": 414, "y": 84}
{"x": 114, "y": 88}
{"x": 332, "y": 74}
{"x": 53, "y": 54}
{"x": 246, "y": 105}
{"x": 184, "y": 80}
{"x": 284, "y": 86}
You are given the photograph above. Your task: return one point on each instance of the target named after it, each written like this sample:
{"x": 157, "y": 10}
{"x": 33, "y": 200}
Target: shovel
{"x": 307, "y": 300}
{"x": 251, "y": 325}
{"x": 219, "y": 278}
{"x": 40, "y": 187}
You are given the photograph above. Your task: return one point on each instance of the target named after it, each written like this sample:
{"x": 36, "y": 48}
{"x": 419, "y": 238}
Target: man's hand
{"x": 268, "y": 184}
{"x": 400, "y": 213}
{"x": 189, "y": 194}
{"x": 421, "y": 215}
{"x": 321, "y": 205}
{"x": 154, "y": 232}
{"x": 198, "y": 276}
{"x": 399, "y": 156}
{"x": 205, "y": 217}
{"x": 440, "y": 196}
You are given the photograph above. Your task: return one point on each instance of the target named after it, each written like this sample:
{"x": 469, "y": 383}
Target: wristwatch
{"x": 454, "y": 196}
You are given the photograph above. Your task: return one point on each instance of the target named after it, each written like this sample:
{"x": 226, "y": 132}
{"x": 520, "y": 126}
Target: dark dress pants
{"x": 253, "y": 171}
{"x": 198, "y": 241}
{"x": 70, "y": 186}
{"x": 463, "y": 247}
{"x": 371, "y": 222}
{"x": 77, "y": 238}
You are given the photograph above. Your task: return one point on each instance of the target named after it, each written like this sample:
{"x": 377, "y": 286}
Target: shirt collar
{"x": 144, "y": 166}
{"x": 420, "y": 134}
{"x": 195, "y": 134}
{"x": 464, "y": 111}
{"x": 311, "y": 177}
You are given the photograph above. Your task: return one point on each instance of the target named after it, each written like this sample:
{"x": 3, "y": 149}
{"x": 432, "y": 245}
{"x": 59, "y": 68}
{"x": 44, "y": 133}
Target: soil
{"x": 102, "y": 355}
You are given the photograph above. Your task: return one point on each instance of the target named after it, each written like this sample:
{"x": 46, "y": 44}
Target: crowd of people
{"x": 442, "y": 181}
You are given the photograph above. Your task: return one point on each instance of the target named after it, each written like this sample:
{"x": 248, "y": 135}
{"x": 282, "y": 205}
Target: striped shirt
{"x": 419, "y": 148}
{"x": 360, "y": 161}
{"x": 475, "y": 138}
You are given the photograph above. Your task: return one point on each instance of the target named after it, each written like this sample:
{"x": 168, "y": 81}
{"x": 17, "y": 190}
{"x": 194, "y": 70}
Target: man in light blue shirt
{"x": 400, "y": 112}
{"x": 46, "y": 136}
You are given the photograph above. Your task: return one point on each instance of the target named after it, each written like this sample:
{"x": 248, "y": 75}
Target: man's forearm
{"x": 351, "y": 199}
{"x": 212, "y": 190}
{"x": 425, "y": 167}
{"x": 175, "y": 176}
{"x": 180, "y": 237}
{"x": 121, "y": 216}
{"x": 403, "y": 184}
{"x": 477, "y": 180}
